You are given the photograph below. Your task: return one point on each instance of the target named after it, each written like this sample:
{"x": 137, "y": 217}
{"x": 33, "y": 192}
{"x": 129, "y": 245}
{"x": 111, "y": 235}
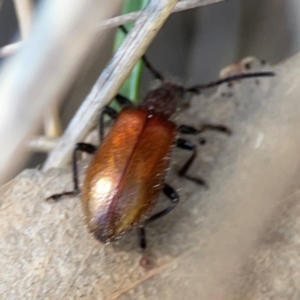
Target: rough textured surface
{"x": 238, "y": 238}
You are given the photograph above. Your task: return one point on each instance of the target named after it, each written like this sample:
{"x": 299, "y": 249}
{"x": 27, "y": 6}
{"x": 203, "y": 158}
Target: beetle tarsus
{"x": 196, "y": 180}
{"x": 142, "y": 238}
{"x": 220, "y": 128}
{"x": 58, "y": 197}
{"x": 185, "y": 129}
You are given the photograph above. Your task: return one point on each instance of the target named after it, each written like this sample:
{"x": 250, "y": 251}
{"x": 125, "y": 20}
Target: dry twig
{"x": 86, "y": 116}
{"x": 42, "y": 143}
{"x": 15, "y": 129}
{"x": 120, "y": 20}
{"x": 24, "y": 99}
{"x": 180, "y": 6}
{"x": 107, "y": 85}
{"x": 10, "y": 49}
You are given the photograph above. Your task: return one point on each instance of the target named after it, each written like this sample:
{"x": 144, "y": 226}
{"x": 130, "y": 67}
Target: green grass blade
{"x": 130, "y": 88}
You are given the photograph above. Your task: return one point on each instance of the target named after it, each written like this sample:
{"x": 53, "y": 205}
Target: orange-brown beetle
{"x": 128, "y": 170}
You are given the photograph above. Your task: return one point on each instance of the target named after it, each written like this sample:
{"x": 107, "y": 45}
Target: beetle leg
{"x": 123, "y": 101}
{"x": 187, "y": 145}
{"x": 205, "y": 127}
{"x": 91, "y": 149}
{"x": 142, "y": 237}
{"x": 105, "y": 111}
{"x": 173, "y": 196}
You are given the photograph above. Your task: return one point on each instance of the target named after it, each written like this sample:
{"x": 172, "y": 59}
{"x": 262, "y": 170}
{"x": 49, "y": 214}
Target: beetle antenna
{"x": 198, "y": 88}
{"x": 148, "y": 65}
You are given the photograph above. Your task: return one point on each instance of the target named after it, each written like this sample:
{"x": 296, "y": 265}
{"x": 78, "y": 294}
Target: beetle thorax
{"x": 164, "y": 100}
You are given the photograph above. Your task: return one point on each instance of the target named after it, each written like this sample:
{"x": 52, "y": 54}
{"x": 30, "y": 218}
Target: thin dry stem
{"x": 42, "y": 143}
{"x": 109, "y": 82}
{"x": 24, "y": 99}
{"x": 10, "y": 49}
{"x": 52, "y": 124}
{"x": 20, "y": 110}
{"x": 120, "y": 20}
{"x": 180, "y": 6}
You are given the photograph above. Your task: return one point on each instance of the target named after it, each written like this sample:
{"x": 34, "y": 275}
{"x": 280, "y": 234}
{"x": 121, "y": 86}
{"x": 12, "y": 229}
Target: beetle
{"x": 128, "y": 170}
